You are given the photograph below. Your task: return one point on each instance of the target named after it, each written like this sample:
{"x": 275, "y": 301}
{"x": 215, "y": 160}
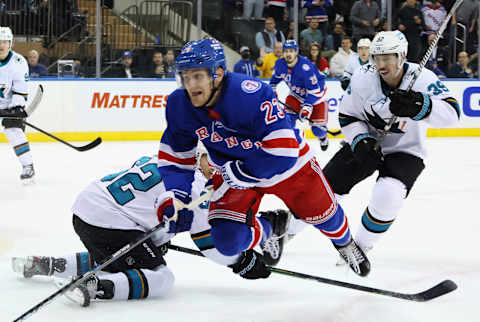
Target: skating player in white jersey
{"x": 13, "y": 97}
{"x": 375, "y": 95}
{"x": 356, "y": 60}
{"x": 114, "y": 211}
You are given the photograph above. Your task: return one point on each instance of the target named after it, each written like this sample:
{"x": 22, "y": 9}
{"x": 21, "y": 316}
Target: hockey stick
{"x": 333, "y": 133}
{"x": 82, "y": 148}
{"x": 440, "y": 289}
{"x": 122, "y": 251}
{"x": 420, "y": 67}
{"x": 35, "y": 101}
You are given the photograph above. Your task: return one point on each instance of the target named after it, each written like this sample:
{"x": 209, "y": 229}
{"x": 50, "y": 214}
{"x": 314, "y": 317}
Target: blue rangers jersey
{"x": 245, "y": 131}
{"x": 306, "y": 83}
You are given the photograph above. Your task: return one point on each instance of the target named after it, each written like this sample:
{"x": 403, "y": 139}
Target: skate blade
{"x": 78, "y": 295}
{"x": 28, "y": 182}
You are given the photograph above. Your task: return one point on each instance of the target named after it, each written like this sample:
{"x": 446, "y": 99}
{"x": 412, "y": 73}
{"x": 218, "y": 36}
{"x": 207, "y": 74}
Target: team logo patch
{"x": 250, "y": 86}
{"x": 305, "y": 67}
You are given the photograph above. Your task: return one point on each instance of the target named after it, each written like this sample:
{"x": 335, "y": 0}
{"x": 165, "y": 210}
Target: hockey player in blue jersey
{"x": 255, "y": 151}
{"x": 306, "y": 100}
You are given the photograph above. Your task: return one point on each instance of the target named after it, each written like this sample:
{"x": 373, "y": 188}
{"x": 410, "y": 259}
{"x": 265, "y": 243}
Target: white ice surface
{"x": 435, "y": 237}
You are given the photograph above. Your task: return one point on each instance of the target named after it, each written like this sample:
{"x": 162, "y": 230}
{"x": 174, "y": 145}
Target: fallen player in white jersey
{"x": 110, "y": 213}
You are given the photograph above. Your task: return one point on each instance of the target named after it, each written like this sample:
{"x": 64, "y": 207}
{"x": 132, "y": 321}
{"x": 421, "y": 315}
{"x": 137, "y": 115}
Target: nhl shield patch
{"x": 250, "y": 86}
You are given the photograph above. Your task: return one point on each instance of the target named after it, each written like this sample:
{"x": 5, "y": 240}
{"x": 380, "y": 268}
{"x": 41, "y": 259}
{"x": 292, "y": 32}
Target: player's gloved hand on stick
{"x": 414, "y": 105}
{"x": 250, "y": 265}
{"x": 166, "y": 211}
{"x": 16, "y": 111}
{"x": 363, "y": 147}
{"x": 344, "y": 82}
{"x": 306, "y": 112}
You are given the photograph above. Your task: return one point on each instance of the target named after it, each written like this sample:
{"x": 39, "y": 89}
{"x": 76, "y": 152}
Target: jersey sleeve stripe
{"x": 167, "y": 159}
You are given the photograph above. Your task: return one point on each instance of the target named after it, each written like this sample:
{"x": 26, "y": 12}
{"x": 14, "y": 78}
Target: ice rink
{"x": 435, "y": 237}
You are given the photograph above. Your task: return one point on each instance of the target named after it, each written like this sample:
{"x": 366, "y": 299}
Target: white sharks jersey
{"x": 126, "y": 201}
{"x": 353, "y": 64}
{"x": 365, "y": 109}
{"x": 13, "y": 81}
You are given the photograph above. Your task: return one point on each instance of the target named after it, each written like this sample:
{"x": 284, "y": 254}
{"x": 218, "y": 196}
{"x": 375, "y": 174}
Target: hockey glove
{"x": 344, "y": 82}
{"x": 250, "y": 265}
{"x": 163, "y": 248}
{"x": 414, "y": 105}
{"x": 166, "y": 212}
{"x": 16, "y": 111}
{"x": 306, "y": 112}
{"x": 363, "y": 147}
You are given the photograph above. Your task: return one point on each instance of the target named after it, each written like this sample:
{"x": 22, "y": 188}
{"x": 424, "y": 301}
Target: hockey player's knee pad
{"x": 387, "y": 198}
{"x": 229, "y": 237}
{"x": 319, "y": 131}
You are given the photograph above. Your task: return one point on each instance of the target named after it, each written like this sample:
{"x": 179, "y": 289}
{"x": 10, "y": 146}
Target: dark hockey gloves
{"x": 344, "y": 82}
{"x": 250, "y": 265}
{"x": 166, "y": 211}
{"x": 16, "y": 111}
{"x": 363, "y": 147}
{"x": 414, "y": 105}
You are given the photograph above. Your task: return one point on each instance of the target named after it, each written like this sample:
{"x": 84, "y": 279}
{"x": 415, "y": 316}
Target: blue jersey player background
{"x": 306, "y": 100}
{"x": 255, "y": 151}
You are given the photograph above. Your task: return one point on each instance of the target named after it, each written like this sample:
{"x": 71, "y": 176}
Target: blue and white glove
{"x": 306, "y": 112}
{"x": 230, "y": 176}
{"x": 166, "y": 212}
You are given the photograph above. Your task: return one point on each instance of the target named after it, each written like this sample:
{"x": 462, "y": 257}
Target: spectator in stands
{"x": 35, "y": 69}
{"x": 314, "y": 54}
{"x": 80, "y": 70}
{"x": 433, "y": 15}
{"x": 440, "y": 55}
{"x": 311, "y": 34}
{"x": 365, "y": 17}
{"x": 433, "y": 66}
{"x": 410, "y": 22}
{"x": 290, "y": 34}
{"x": 254, "y": 7}
{"x": 461, "y": 69}
{"x": 338, "y": 34}
{"x": 158, "y": 68}
{"x": 317, "y": 9}
{"x": 170, "y": 63}
{"x": 246, "y": 64}
{"x": 276, "y": 9}
{"x": 467, "y": 15}
{"x": 340, "y": 59}
{"x": 126, "y": 70}
{"x": 265, "y": 64}
{"x": 266, "y": 39}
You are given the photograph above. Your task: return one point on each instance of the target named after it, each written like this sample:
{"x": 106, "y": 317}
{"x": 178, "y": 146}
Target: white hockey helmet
{"x": 6, "y": 34}
{"x": 390, "y": 42}
{"x": 364, "y": 42}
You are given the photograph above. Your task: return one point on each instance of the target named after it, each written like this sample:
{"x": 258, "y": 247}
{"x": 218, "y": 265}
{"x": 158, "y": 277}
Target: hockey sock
{"x": 231, "y": 238}
{"x": 18, "y": 140}
{"x": 336, "y": 228}
{"x": 72, "y": 265}
{"x": 388, "y": 198}
{"x": 136, "y": 284}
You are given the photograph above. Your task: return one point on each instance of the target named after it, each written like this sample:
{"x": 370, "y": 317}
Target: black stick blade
{"x": 90, "y": 145}
{"x": 440, "y": 289}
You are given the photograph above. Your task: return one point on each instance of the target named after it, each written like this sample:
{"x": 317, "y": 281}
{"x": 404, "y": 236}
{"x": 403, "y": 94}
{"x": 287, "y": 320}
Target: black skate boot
{"x": 90, "y": 288}
{"x": 37, "y": 265}
{"x": 272, "y": 248}
{"x": 355, "y": 258}
{"x": 27, "y": 173}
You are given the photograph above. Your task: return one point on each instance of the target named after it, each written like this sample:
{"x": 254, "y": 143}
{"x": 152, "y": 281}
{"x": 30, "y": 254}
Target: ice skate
{"x": 37, "y": 265}
{"x": 324, "y": 143}
{"x": 27, "y": 174}
{"x": 272, "y": 248}
{"x": 341, "y": 261}
{"x": 355, "y": 257}
{"x": 89, "y": 289}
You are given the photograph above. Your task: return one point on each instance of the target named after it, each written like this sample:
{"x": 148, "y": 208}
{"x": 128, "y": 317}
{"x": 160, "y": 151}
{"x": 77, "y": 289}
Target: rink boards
{"x": 123, "y": 109}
